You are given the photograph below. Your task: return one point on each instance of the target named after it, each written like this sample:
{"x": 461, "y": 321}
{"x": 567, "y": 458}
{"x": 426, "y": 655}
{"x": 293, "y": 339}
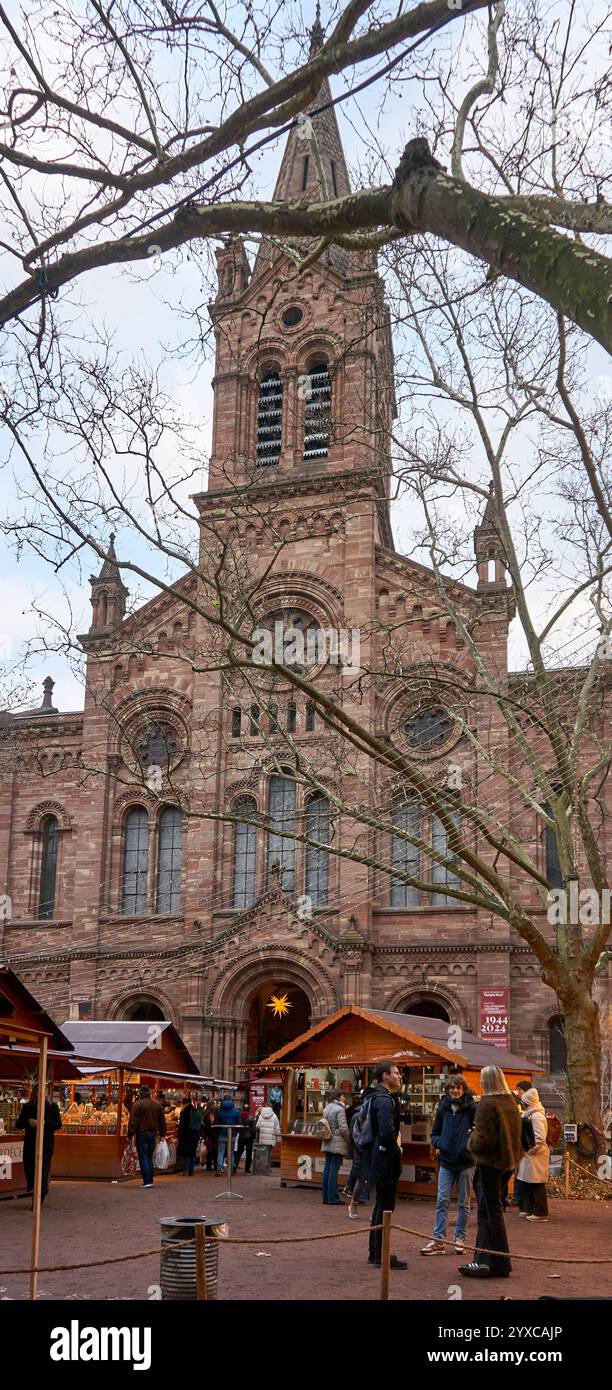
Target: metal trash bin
{"x": 178, "y": 1267}
{"x": 262, "y": 1158}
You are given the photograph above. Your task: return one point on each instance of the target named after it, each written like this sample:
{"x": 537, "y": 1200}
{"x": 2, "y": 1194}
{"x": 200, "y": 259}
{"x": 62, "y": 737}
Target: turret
{"x": 488, "y": 549}
{"x": 108, "y": 595}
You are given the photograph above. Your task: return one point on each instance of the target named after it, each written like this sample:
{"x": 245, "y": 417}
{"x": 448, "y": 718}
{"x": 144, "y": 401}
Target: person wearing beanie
{"x": 533, "y": 1168}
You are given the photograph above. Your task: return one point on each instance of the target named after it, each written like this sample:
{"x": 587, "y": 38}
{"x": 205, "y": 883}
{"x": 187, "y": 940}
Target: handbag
{"x": 161, "y": 1155}
{"x": 129, "y": 1161}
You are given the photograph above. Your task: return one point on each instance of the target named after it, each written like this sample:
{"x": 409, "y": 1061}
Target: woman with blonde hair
{"x": 495, "y": 1146}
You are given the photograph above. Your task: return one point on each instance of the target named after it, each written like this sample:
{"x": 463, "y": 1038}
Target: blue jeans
{"x": 145, "y": 1147}
{"x": 446, "y": 1178}
{"x": 221, "y": 1148}
{"x": 330, "y": 1177}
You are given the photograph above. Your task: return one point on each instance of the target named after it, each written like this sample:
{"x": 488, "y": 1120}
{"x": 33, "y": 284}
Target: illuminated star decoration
{"x": 279, "y": 1004}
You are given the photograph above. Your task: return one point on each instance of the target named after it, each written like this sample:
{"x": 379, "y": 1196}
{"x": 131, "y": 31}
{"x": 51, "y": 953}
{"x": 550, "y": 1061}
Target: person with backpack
{"x": 453, "y": 1121}
{"x": 533, "y": 1168}
{"x": 190, "y": 1128}
{"x": 360, "y": 1132}
{"x": 386, "y": 1160}
{"x": 335, "y": 1145}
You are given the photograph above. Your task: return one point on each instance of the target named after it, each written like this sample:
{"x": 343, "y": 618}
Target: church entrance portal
{"x": 278, "y": 1013}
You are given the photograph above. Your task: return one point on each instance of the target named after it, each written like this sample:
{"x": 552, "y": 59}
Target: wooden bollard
{"x": 385, "y": 1258}
{"x": 200, "y": 1252}
{"x": 566, "y": 1160}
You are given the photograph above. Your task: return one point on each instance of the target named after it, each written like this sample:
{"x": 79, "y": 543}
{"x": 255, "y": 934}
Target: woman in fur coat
{"x": 533, "y": 1167}
{"x": 495, "y": 1146}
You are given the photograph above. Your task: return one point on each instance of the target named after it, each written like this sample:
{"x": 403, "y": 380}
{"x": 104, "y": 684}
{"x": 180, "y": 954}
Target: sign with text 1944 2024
{"x": 494, "y": 1016}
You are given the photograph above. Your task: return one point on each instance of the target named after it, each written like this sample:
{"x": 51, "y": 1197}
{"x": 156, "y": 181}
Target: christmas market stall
{"x": 115, "y": 1057}
{"x": 30, "y": 1042}
{"x": 340, "y": 1053}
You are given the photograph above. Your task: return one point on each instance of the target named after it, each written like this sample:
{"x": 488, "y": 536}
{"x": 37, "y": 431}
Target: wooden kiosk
{"x": 127, "y": 1054}
{"x": 26, "y": 1031}
{"x": 339, "y": 1054}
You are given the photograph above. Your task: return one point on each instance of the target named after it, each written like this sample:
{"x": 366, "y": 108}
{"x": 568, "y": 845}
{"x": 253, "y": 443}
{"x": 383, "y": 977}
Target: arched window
{"x": 317, "y": 410}
{"x": 236, "y": 721}
{"x": 48, "y": 866}
{"x": 281, "y": 813}
{"x": 444, "y": 873}
{"x": 557, "y": 1050}
{"x": 269, "y": 418}
{"x": 554, "y": 872}
{"x": 291, "y": 717}
{"x": 245, "y": 853}
{"x": 406, "y": 817}
{"x": 310, "y": 717}
{"x": 169, "y": 860}
{"x": 316, "y": 879}
{"x": 135, "y": 861}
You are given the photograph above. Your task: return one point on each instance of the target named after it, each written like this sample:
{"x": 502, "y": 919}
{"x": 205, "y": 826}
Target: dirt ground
{"x": 88, "y": 1220}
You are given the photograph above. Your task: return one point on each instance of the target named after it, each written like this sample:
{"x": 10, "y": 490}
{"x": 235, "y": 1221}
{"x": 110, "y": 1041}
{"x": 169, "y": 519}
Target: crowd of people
{"x": 202, "y": 1133}
{"x": 480, "y": 1146}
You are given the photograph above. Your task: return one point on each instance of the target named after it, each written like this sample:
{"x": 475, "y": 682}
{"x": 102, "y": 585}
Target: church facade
{"x": 141, "y": 877}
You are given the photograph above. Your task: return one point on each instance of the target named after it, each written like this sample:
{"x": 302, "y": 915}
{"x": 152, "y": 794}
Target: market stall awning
{"x": 356, "y": 1037}
{"x": 22, "y": 1018}
{"x": 181, "y": 1078}
{"x": 154, "y": 1047}
{"x": 17, "y": 1065}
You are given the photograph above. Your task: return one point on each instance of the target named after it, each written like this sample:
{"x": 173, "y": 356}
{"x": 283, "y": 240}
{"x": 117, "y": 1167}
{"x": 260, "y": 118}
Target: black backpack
{"x": 527, "y": 1134}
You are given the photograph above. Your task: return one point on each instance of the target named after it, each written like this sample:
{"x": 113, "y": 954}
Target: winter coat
{"x": 268, "y": 1128}
{"x": 335, "y": 1114}
{"x": 188, "y": 1139}
{"x": 228, "y": 1113}
{"x": 534, "y": 1164}
{"x": 495, "y": 1140}
{"x": 452, "y": 1124}
{"x": 386, "y": 1160}
{"x": 146, "y": 1117}
{"x": 52, "y": 1121}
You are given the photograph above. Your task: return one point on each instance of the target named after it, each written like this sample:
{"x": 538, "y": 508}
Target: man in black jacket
{"x": 386, "y": 1162}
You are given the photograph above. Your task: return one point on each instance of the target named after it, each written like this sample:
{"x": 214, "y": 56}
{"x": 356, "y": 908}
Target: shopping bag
{"x": 129, "y": 1162}
{"x": 161, "y": 1155}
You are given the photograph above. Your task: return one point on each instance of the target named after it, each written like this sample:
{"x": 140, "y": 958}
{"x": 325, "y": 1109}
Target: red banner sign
{"x": 494, "y": 1016}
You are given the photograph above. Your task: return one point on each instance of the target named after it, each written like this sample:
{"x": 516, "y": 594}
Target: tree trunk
{"x": 583, "y": 1040}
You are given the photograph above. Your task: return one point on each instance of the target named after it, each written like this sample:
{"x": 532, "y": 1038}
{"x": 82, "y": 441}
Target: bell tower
{"x": 303, "y": 384}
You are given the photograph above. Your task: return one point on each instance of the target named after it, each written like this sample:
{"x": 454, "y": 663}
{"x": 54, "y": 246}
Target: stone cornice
{"x": 197, "y": 947}
{"x": 292, "y": 485}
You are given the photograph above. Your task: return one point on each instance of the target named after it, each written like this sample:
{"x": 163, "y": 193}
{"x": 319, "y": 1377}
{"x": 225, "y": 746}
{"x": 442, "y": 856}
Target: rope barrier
{"x": 540, "y": 1258}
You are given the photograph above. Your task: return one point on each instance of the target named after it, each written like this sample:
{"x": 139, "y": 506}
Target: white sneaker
{"x": 435, "y": 1247}
{"x": 536, "y": 1218}
{"x": 522, "y": 1213}
{"x": 460, "y": 1247}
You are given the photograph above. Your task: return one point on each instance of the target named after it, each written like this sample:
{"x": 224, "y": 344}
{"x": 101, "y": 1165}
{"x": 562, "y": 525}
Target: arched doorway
{"x": 278, "y": 1012}
{"x": 142, "y": 1009}
{"x": 427, "y": 1008}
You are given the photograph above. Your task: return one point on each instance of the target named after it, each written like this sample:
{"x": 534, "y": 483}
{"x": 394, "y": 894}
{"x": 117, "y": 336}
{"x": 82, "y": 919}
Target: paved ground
{"x": 84, "y": 1221}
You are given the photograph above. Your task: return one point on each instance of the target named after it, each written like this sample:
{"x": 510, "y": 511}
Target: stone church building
{"x": 142, "y": 844}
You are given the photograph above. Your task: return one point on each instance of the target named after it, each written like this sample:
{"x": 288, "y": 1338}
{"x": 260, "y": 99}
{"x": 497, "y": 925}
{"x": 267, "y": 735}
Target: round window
{"x": 428, "y": 730}
{"x": 292, "y": 316}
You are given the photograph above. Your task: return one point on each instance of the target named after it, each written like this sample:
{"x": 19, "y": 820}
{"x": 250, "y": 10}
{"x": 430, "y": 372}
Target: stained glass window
{"x": 444, "y": 873}
{"x": 135, "y": 861}
{"x": 281, "y": 811}
{"x": 48, "y": 868}
{"x": 316, "y": 883}
{"x": 169, "y": 860}
{"x": 406, "y": 817}
{"x": 245, "y": 854}
{"x": 428, "y": 729}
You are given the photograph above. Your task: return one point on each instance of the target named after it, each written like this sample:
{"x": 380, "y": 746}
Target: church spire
{"x": 108, "y": 594}
{"x": 313, "y": 166}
